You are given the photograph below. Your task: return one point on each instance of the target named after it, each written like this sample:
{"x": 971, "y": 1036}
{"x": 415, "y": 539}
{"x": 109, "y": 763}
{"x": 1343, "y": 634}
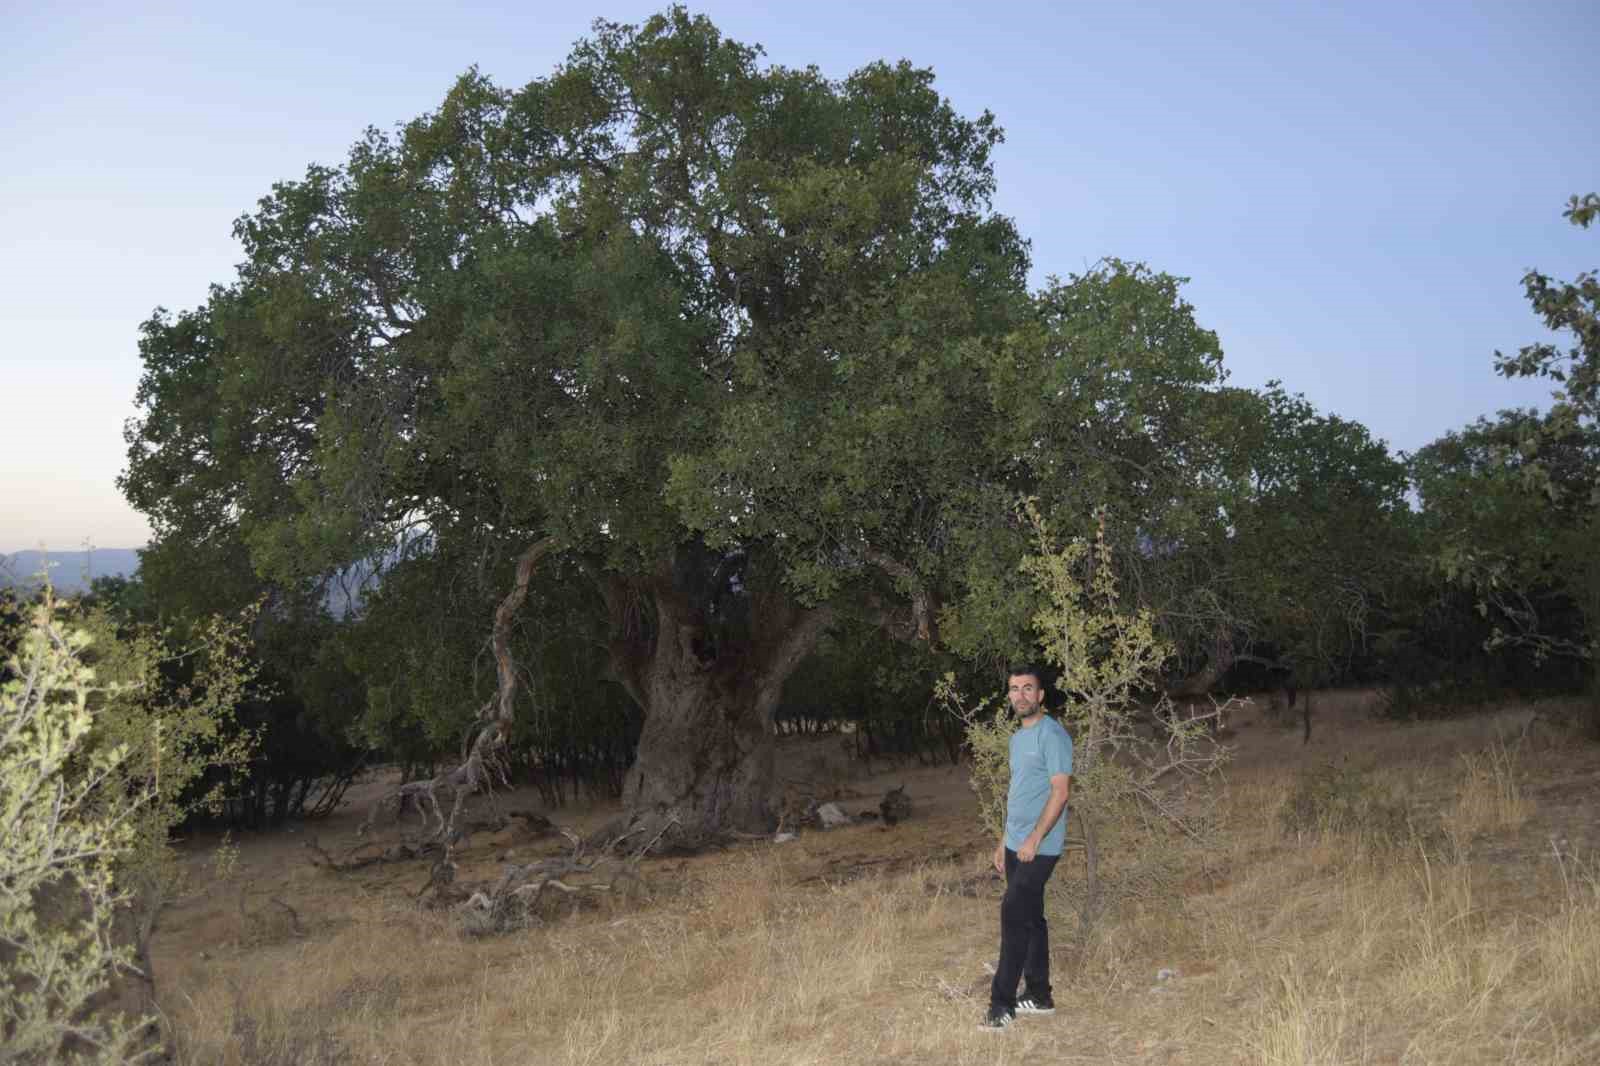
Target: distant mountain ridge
{"x": 70, "y": 572}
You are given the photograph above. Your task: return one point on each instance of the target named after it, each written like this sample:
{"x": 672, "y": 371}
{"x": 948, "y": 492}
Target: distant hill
{"x": 70, "y": 572}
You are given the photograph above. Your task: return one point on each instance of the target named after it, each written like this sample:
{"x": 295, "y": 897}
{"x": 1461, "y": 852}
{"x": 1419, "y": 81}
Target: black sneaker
{"x": 997, "y": 1019}
{"x": 1036, "y": 1005}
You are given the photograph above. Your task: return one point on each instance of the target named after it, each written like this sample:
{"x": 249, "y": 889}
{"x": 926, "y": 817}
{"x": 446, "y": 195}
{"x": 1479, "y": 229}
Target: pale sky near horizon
{"x": 1355, "y": 190}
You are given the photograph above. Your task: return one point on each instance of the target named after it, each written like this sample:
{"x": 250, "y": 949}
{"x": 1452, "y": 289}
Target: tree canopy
{"x": 746, "y": 346}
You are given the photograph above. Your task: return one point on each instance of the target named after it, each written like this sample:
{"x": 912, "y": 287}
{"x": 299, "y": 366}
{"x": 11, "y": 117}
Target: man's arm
{"x": 1060, "y": 789}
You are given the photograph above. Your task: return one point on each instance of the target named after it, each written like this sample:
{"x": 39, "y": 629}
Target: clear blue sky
{"x": 1354, "y": 189}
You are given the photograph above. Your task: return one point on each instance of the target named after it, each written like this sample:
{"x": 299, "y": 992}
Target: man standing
{"x": 1035, "y": 831}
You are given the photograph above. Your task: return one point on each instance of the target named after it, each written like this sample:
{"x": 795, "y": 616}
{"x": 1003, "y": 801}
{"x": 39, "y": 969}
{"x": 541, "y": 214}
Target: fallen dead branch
{"x": 524, "y": 893}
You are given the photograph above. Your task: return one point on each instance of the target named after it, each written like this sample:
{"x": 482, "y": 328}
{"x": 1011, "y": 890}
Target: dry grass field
{"x": 1438, "y": 903}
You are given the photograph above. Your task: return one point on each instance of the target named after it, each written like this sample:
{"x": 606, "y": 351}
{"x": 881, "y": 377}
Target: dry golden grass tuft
{"x": 1477, "y": 942}
{"x": 1490, "y": 794}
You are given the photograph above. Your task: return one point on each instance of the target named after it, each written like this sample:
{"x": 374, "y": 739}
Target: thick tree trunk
{"x": 705, "y": 754}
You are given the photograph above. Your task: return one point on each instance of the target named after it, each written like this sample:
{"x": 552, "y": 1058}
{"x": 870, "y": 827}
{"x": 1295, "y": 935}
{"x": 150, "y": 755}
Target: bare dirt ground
{"x": 868, "y": 943}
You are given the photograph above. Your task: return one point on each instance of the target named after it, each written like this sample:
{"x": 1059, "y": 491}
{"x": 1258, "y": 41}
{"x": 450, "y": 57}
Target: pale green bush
{"x": 59, "y": 843}
{"x": 95, "y": 761}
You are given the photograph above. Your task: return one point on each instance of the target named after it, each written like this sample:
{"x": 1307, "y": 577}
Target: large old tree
{"x": 739, "y": 347}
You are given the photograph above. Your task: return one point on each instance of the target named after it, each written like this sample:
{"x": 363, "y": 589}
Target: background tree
{"x": 1515, "y": 501}
{"x": 862, "y": 677}
{"x": 1505, "y": 503}
{"x": 1570, "y": 308}
{"x": 1317, "y": 533}
{"x": 1108, "y": 420}
{"x": 304, "y": 707}
{"x": 419, "y": 644}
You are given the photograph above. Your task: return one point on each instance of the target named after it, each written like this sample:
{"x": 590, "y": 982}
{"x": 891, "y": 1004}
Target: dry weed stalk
{"x": 1490, "y": 795}
{"x": 1297, "y": 1025}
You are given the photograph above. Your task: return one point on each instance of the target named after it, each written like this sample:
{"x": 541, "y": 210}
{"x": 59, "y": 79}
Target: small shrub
{"x": 64, "y": 828}
{"x": 96, "y": 763}
{"x": 1141, "y": 809}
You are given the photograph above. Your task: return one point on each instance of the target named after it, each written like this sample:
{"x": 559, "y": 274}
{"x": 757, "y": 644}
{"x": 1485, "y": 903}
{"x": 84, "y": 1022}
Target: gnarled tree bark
{"x": 705, "y": 755}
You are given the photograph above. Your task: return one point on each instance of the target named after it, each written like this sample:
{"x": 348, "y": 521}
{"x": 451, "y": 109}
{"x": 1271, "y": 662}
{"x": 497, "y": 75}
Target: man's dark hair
{"x": 1019, "y": 669}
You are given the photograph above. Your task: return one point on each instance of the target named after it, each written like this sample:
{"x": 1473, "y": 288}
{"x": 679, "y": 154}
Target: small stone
{"x": 831, "y": 816}
{"x": 1165, "y": 974}
{"x": 784, "y": 838}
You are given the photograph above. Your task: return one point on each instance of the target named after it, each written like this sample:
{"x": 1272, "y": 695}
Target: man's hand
{"x": 1030, "y": 848}
{"x": 1000, "y": 858}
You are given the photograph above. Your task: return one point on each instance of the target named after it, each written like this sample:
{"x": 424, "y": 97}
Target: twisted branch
{"x": 483, "y": 761}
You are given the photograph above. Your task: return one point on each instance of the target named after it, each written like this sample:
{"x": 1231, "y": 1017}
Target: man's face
{"x": 1026, "y": 694}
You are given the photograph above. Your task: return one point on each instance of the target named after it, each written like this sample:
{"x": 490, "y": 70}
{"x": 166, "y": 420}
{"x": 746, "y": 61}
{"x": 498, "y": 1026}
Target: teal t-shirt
{"x": 1038, "y": 753}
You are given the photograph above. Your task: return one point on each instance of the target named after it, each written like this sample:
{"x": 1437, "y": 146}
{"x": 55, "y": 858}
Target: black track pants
{"x": 1024, "y": 938}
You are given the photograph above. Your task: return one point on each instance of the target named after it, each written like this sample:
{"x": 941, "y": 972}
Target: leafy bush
{"x": 96, "y": 764}
{"x": 63, "y": 835}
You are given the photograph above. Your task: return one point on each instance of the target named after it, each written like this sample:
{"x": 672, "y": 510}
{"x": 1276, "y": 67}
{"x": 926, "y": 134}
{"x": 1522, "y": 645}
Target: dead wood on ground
{"x": 528, "y": 893}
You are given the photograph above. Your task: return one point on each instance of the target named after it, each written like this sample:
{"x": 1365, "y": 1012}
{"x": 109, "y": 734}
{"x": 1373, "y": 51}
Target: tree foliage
{"x": 1318, "y": 536}
{"x": 1514, "y": 502}
{"x": 1506, "y": 508}
{"x": 1572, "y": 309}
